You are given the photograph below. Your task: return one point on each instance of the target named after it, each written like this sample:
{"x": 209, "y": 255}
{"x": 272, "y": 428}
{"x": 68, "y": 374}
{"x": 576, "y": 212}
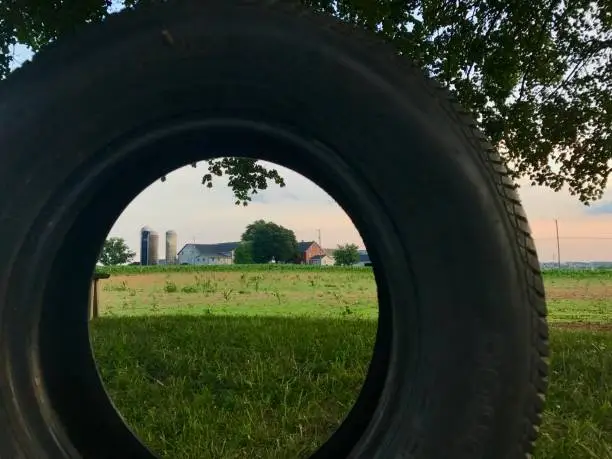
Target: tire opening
{"x": 213, "y": 347}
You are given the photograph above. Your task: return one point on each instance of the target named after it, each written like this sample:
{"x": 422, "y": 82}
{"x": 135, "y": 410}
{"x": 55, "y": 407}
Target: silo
{"x": 153, "y": 248}
{"x": 145, "y": 232}
{"x": 171, "y": 247}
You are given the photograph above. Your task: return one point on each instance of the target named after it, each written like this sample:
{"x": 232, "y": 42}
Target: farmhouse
{"x": 207, "y": 254}
{"x": 307, "y": 250}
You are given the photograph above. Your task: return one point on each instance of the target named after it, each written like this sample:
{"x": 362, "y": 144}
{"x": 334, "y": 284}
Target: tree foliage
{"x": 270, "y": 241}
{"x": 243, "y": 255}
{"x": 115, "y": 251}
{"x": 536, "y": 75}
{"x": 245, "y": 176}
{"x": 346, "y": 255}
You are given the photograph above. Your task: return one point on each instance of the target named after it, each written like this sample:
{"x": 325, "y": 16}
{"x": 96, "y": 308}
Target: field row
{"x": 308, "y": 292}
{"x": 137, "y": 269}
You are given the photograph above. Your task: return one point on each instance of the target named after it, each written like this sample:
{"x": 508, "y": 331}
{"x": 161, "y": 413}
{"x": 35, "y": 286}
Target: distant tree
{"x": 115, "y": 252}
{"x": 243, "y": 255}
{"x": 270, "y": 241}
{"x": 346, "y": 255}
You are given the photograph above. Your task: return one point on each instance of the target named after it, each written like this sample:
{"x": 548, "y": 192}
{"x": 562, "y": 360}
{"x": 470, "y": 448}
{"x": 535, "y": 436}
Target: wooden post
{"x": 558, "y": 245}
{"x": 94, "y": 310}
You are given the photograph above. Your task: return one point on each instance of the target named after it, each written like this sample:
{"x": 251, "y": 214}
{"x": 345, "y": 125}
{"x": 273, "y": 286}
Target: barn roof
{"x": 304, "y": 245}
{"x": 214, "y": 249}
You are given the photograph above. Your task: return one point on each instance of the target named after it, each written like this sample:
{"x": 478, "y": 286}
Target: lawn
{"x": 265, "y": 363}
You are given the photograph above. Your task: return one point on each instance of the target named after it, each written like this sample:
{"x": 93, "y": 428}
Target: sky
{"x": 204, "y": 215}
{"x": 209, "y": 215}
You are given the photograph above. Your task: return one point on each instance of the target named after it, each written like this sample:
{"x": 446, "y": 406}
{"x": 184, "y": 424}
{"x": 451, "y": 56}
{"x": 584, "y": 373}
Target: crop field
{"x": 264, "y": 362}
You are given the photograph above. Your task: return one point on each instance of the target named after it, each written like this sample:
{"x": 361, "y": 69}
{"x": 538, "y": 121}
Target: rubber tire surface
{"x": 462, "y": 308}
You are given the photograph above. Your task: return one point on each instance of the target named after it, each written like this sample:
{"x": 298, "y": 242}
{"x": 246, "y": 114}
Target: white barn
{"x": 207, "y": 254}
{"x": 322, "y": 260}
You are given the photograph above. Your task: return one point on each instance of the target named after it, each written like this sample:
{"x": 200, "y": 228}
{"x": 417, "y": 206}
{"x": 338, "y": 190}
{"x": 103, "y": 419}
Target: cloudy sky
{"x": 209, "y": 215}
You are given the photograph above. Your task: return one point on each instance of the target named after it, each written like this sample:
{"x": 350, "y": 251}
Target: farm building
{"x": 364, "y": 259}
{"x": 307, "y": 250}
{"x": 207, "y": 254}
{"x": 149, "y": 242}
{"x": 322, "y": 260}
{"x": 223, "y": 254}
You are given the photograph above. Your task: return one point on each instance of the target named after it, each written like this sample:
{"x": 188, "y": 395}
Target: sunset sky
{"x": 209, "y": 215}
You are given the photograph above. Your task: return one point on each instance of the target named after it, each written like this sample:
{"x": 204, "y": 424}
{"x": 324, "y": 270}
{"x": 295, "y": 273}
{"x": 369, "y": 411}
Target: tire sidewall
{"x": 449, "y": 258}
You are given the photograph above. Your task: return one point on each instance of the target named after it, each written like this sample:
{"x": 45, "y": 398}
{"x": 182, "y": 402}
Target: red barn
{"x": 307, "y": 250}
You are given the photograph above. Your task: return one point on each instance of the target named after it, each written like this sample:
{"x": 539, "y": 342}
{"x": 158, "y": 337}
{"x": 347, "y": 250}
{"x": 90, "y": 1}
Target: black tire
{"x": 459, "y": 368}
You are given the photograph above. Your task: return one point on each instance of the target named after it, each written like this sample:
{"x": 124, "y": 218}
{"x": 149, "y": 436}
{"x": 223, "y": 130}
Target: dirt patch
{"x": 586, "y": 326}
{"x": 578, "y": 292}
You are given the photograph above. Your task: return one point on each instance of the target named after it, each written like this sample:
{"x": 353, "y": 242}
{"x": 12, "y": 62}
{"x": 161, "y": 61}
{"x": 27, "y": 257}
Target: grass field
{"x": 265, "y": 363}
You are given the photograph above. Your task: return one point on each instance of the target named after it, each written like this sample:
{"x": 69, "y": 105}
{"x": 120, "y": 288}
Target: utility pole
{"x": 319, "y": 232}
{"x": 558, "y": 245}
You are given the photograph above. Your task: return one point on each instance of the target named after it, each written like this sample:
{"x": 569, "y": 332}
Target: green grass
{"x": 578, "y": 310}
{"x": 233, "y": 387}
{"x": 266, "y": 363}
{"x": 578, "y": 418}
{"x": 601, "y": 273}
{"x": 329, "y": 293}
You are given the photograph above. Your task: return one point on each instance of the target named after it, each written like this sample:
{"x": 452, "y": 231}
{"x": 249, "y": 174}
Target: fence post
{"x": 94, "y": 311}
